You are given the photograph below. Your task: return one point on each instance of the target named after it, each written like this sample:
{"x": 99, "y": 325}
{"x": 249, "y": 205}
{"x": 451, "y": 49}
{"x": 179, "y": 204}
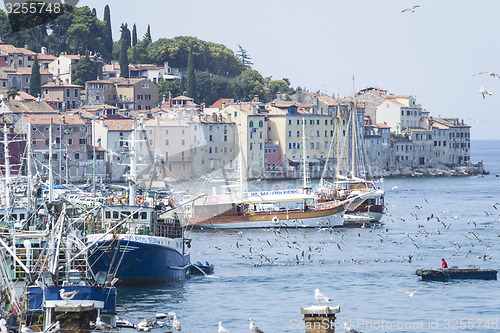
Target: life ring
{"x": 139, "y": 200}
{"x": 115, "y": 200}
{"x": 308, "y": 192}
{"x": 276, "y": 220}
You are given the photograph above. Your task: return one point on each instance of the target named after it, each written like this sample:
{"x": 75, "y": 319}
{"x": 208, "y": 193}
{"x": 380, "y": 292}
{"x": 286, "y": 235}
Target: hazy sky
{"x": 320, "y": 44}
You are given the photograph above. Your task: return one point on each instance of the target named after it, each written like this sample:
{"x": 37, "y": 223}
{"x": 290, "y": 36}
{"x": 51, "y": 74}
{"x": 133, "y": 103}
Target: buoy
{"x": 139, "y": 200}
{"x": 115, "y": 200}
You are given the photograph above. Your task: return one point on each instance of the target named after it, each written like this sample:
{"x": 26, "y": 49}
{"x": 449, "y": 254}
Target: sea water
{"x": 269, "y": 276}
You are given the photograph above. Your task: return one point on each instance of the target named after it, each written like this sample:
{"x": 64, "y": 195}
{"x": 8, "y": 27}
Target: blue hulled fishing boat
{"x": 136, "y": 239}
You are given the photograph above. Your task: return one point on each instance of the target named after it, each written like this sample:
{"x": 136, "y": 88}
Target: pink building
{"x": 272, "y": 156}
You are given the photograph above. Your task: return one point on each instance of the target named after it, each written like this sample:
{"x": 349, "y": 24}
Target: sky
{"x": 431, "y": 53}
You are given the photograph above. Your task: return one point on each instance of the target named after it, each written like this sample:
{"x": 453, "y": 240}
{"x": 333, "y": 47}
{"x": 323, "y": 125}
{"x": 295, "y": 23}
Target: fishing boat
{"x": 47, "y": 281}
{"x": 136, "y": 239}
{"x": 288, "y": 208}
{"x": 445, "y": 274}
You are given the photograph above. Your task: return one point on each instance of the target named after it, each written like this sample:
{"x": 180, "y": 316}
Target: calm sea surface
{"x": 359, "y": 269}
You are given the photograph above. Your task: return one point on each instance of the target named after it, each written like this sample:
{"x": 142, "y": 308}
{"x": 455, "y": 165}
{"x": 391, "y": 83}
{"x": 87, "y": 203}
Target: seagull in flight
{"x": 410, "y": 293}
{"x": 411, "y": 9}
{"x": 489, "y": 73}
{"x": 484, "y": 92}
{"x": 320, "y": 297}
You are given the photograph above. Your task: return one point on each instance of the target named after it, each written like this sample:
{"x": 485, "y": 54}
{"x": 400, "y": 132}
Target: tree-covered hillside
{"x": 218, "y": 71}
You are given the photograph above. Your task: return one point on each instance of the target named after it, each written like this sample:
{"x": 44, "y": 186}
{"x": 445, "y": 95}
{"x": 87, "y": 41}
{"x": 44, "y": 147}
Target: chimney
{"x": 26, "y": 46}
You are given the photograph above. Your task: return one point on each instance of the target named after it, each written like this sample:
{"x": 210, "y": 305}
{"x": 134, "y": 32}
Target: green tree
{"x": 208, "y": 56}
{"x": 191, "y": 89}
{"x": 138, "y": 54}
{"x": 35, "y": 81}
{"x": 212, "y": 87}
{"x": 166, "y": 87}
{"x": 248, "y": 84}
{"x": 124, "y": 46}
{"x": 244, "y": 58}
{"x": 134, "y": 35}
{"x": 108, "y": 32}
{"x": 85, "y": 70}
{"x": 12, "y": 92}
{"x": 148, "y": 34}
{"x": 86, "y": 32}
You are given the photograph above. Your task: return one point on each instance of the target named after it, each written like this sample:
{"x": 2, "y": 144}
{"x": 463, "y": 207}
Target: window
{"x": 298, "y": 133}
{"x": 261, "y": 123}
{"x": 289, "y": 134}
{"x": 298, "y": 122}
{"x": 76, "y": 92}
{"x": 77, "y": 156}
{"x": 167, "y": 142}
{"x": 145, "y": 85}
{"x": 289, "y": 145}
{"x": 139, "y": 97}
{"x": 82, "y": 141}
{"x": 251, "y": 124}
{"x": 68, "y": 92}
{"x": 289, "y": 121}
{"x": 274, "y": 150}
{"x": 210, "y": 138}
{"x": 251, "y": 146}
{"x": 225, "y": 137}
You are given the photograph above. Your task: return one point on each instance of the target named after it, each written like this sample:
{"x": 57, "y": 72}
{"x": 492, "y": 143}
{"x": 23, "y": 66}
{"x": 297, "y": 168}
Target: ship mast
{"x": 133, "y": 166}
{"x": 7, "y": 165}
{"x": 29, "y": 191}
{"x": 51, "y": 185}
{"x": 305, "y": 166}
{"x": 353, "y": 137}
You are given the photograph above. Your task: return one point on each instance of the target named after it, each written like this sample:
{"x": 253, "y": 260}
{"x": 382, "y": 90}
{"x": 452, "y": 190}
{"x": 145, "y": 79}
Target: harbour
{"x": 154, "y": 177}
{"x": 363, "y": 278}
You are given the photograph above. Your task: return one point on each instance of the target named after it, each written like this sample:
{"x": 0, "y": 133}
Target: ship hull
{"x": 140, "y": 259}
{"x": 328, "y": 217}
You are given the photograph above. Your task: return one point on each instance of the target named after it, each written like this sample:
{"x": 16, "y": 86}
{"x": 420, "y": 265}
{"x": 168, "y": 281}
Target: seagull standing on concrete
{"x": 411, "y": 9}
{"x": 253, "y": 328}
{"x": 320, "y": 297}
{"x": 67, "y": 295}
{"x": 100, "y": 325}
{"x": 221, "y": 328}
{"x": 483, "y": 91}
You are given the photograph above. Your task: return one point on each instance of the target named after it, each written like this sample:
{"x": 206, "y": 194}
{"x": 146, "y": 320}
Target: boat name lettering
{"x": 277, "y": 192}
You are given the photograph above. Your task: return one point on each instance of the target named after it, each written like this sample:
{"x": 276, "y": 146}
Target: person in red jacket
{"x": 444, "y": 264}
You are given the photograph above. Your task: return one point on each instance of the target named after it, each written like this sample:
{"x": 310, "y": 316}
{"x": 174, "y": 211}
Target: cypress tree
{"x": 124, "y": 46}
{"x": 108, "y": 34}
{"x": 148, "y": 33}
{"x": 94, "y": 12}
{"x": 191, "y": 89}
{"x": 35, "y": 81}
{"x": 134, "y": 35}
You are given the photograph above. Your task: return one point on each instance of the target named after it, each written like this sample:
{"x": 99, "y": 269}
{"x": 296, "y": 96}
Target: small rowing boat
{"x": 445, "y": 274}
